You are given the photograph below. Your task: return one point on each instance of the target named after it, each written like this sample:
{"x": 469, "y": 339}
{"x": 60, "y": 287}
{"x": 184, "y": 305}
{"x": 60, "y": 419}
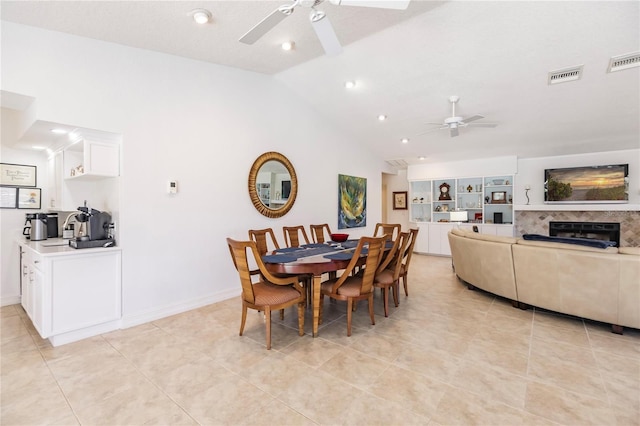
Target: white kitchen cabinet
{"x": 438, "y": 239}
{"x": 71, "y": 294}
{"x": 74, "y": 172}
{"x": 422, "y": 240}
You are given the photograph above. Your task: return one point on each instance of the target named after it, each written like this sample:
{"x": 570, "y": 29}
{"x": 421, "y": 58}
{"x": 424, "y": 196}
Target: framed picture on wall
{"x": 400, "y": 200}
{"x": 29, "y": 198}
{"x": 17, "y": 175}
{"x": 8, "y": 197}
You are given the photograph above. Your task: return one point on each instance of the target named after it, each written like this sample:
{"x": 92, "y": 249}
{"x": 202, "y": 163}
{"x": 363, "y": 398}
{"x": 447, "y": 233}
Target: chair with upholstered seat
{"x": 292, "y": 236}
{"x": 388, "y": 273}
{"x": 353, "y": 288}
{"x": 318, "y": 233}
{"x": 265, "y": 292}
{"x": 406, "y": 258}
{"x": 265, "y": 240}
{"x": 392, "y": 230}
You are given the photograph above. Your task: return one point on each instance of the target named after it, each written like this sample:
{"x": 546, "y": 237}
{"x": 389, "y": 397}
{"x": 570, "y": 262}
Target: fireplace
{"x": 596, "y": 230}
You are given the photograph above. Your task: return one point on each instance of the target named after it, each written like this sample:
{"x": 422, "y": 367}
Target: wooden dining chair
{"x": 292, "y": 235}
{"x": 265, "y": 292}
{"x": 318, "y": 233}
{"x": 265, "y": 240}
{"x": 353, "y": 288}
{"x": 388, "y": 273}
{"x": 406, "y": 258}
{"x": 392, "y": 230}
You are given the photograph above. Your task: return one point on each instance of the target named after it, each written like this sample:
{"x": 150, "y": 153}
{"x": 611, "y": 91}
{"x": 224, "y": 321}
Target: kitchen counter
{"x": 60, "y": 247}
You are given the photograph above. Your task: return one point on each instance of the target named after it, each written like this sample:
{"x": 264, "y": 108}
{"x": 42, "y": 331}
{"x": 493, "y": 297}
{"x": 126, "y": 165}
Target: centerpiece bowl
{"x": 339, "y": 238}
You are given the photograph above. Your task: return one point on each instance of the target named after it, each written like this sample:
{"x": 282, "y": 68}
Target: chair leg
{"x": 404, "y": 282}
{"x": 385, "y": 300}
{"x": 349, "y": 314}
{"x": 267, "y": 314}
{"x": 373, "y": 320}
{"x": 395, "y": 292}
{"x": 281, "y": 314}
{"x": 244, "y": 318}
{"x": 301, "y": 307}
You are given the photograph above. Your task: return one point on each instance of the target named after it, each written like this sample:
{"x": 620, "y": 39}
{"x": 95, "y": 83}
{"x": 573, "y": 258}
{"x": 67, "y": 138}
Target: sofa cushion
{"x": 629, "y": 250}
{"x": 554, "y": 245}
{"x": 492, "y": 238}
{"x": 566, "y": 240}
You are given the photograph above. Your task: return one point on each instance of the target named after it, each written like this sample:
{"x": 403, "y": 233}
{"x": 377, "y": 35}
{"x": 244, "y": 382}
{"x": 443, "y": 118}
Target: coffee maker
{"x": 94, "y": 229}
{"x": 35, "y": 226}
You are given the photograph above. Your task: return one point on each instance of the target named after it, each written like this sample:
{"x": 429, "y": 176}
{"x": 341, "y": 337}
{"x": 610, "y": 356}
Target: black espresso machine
{"x": 94, "y": 230}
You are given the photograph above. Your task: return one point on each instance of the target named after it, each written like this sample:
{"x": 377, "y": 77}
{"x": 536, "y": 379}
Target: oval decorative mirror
{"x": 273, "y": 185}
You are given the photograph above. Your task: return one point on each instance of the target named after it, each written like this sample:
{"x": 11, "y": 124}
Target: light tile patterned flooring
{"x": 445, "y": 356}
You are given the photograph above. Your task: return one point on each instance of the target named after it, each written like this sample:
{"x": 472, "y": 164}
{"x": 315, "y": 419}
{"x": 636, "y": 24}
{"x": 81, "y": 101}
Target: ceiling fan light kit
{"x": 319, "y": 21}
{"x": 454, "y": 123}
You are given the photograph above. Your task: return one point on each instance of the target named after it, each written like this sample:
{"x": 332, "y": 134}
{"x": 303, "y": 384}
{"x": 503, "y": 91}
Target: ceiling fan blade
{"x": 470, "y": 119}
{"x": 484, "y": 125}
{"x": 454, "y": 131}
{"x": 433, "y": 130}
{"x": 383, "y": 4}
{"x": 327, "y": 36}
{"x": 265, "y": 25}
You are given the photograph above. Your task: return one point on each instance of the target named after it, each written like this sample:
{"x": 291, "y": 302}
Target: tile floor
{"x": 445, "y": 356}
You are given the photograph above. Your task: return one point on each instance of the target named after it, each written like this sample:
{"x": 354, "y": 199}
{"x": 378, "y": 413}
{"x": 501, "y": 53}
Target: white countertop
{"x": 59, "y": 247}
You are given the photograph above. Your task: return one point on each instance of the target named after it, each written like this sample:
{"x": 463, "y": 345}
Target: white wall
{"x": 397, "y": 183}
{"x": 200, "y": 124}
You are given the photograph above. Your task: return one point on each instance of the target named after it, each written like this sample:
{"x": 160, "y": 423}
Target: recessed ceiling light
{"x": 404, "y": 140}
{"x": 288, "y": 45}
{"x": 201, "y": 16}
{"x": 350, "y": 84}
{"x": 421, "y": 158}
{"x": 58, "y": 131}
{"x": 382, "y": 117}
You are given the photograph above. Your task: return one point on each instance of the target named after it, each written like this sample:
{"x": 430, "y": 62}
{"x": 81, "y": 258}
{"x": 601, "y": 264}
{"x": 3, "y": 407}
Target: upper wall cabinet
{"x": 91, "y": 159}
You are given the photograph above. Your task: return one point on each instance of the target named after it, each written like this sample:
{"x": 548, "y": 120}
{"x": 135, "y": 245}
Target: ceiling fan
{"x": 454, "y": 122}
{"x": 319, "y": 21}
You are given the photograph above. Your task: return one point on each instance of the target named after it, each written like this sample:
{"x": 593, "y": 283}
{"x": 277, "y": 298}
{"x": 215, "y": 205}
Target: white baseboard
{"x": 13, "y": 300}
{"x": 83, "y": 333}
{"x": 174, "y": 309}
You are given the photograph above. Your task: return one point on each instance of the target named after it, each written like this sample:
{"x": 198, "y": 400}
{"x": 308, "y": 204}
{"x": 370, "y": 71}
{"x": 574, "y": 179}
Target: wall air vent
{"x": 566, "y": 74}
{"x": 623, "y": 62}
{"x": 398, "y": 163}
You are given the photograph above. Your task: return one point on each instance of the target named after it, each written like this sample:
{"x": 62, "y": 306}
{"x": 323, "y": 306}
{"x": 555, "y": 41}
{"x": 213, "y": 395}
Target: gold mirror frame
{"x": 253, "y": 192}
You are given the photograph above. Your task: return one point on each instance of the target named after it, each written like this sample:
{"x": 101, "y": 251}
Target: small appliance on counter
{"x": 93, "y": 228}
{"x": 52, "y": 225}
{"x": 35, "y": 226}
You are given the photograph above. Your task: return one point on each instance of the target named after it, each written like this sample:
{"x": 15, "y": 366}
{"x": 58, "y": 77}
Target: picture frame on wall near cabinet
{"x": 400, "y": 200}
{"x": 29, "y": 198}
{"x": 8, "y": 197}
{"x": 17, "y": 175}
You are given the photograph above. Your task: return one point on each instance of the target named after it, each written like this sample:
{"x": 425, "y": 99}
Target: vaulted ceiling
{"x": 496, "y": 56}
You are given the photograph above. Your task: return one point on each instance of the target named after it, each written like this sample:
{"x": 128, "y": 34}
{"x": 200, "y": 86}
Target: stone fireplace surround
{"x": 537, "y": 222}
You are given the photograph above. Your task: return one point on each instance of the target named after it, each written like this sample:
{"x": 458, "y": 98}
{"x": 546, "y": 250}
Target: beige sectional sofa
{"x": 593, "y": 283}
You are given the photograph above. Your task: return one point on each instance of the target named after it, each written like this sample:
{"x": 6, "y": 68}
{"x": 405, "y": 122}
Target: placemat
{"x": 278, "y": 258}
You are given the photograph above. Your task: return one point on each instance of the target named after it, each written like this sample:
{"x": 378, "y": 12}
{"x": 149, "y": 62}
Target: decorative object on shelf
{"x": 458, "y": 216}
{"x": 29, "y": 198}
{"x": 415, "y": 200}
{"x": 486, "y": 199}
{"x": 461, "y": 188}
{"x": 444, "y": 191}
{"x": 498, "y": 181}
{"x": 480, "y": 201}
{"x": 438, "y": 208}
{"x": 17, "y": 175}
{"x": 506, "y": 182}
{"x": 400, "y": 200}
{"x": 477, "y": 217}
{"x": 526, "y": 192}
{"x": 499, "y": 197}
{"x": 445, "y": 207}
{"x": 352, "y": 202}
{"x": 510, "y": 199}
{"x": 469, "y": 188}
{"x": 421, "y": 200}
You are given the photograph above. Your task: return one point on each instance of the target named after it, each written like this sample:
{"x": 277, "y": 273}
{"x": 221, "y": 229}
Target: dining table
{"x": 312, "y": 259}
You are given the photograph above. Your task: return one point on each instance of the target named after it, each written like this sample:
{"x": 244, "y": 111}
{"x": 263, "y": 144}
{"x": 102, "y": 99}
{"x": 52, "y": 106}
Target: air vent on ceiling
{"x": 566, "y": 74}
{"x": 623, "y": 62}
{"x": 398, "y": 163}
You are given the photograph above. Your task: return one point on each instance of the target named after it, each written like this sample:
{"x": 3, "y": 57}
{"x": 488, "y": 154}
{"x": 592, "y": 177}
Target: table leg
{"x": 317, "y": 280}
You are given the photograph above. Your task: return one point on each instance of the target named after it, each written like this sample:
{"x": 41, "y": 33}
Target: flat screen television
{"x": 588, "y": 184}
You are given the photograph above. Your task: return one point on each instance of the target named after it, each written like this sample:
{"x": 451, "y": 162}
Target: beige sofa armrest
{"x": 564, "y": 246}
